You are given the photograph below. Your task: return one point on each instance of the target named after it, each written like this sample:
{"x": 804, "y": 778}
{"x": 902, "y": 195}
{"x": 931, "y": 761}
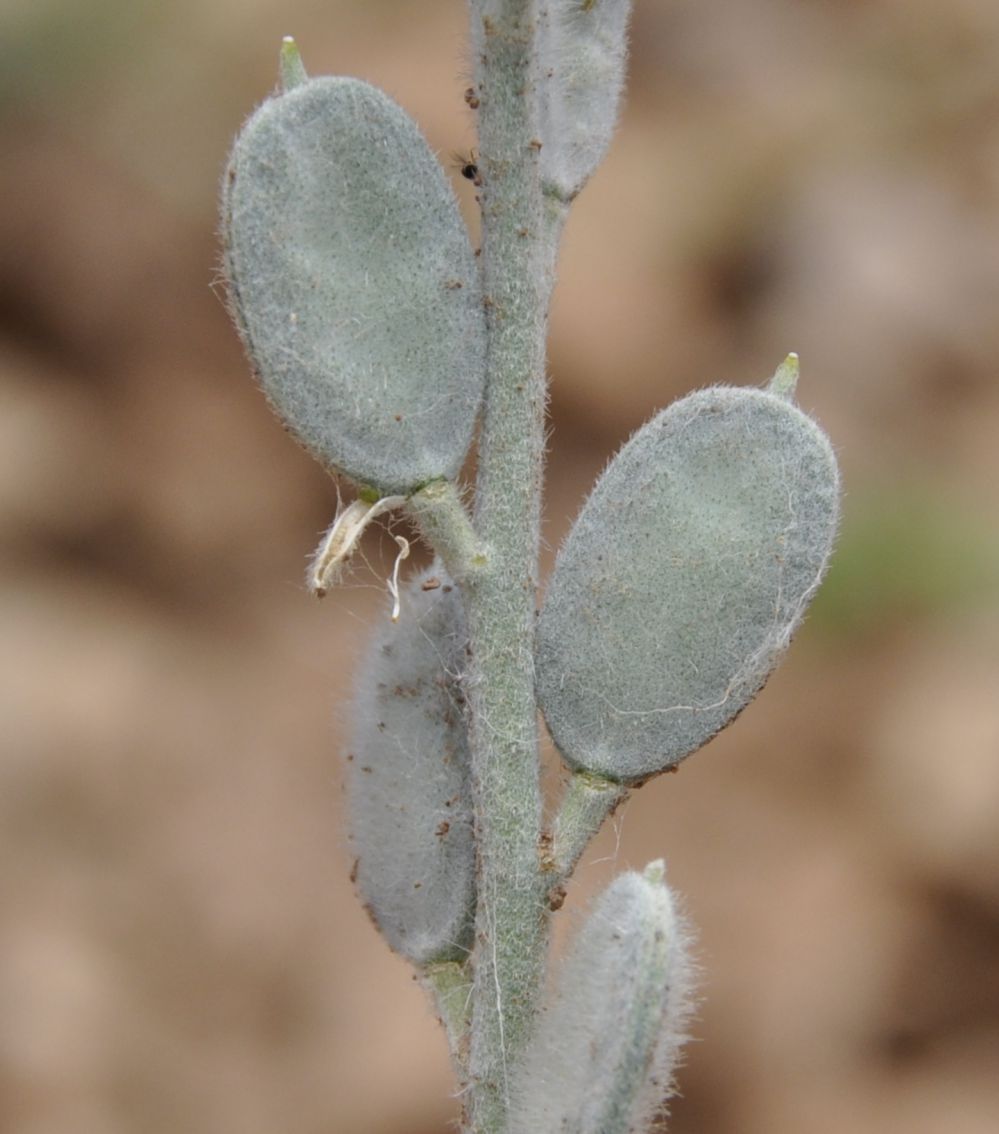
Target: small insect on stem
{"x": 467, "y": 166}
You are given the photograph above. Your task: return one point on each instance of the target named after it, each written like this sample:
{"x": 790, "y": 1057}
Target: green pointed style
{"x": 603, "y": 1056}
{"x": 353, "y": 283}
{"x": 408, "y": 795}
{"x": 683, "y": 579}
{"x": 785, "y": 380}
{"x": 292, "y": 68}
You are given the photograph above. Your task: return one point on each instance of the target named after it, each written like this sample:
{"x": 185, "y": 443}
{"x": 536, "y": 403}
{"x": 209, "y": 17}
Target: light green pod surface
{"x": 608, "y": 1040}
{"x": 683, "y": 579}
{"x": 582, "y": 57}
{"x": 354, "y": 285}
{"x": 408, "y": 795}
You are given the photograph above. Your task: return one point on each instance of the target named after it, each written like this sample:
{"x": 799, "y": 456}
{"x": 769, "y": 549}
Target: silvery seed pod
{"x": 408, "y": 795}
{"x": 683, "y": 579}
{"x": 608, "y": 1041}
{"x": 582, "y": 56}
{"x": 353, "y": 283}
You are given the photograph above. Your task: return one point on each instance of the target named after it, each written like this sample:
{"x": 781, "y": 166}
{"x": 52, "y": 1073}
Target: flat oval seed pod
{"x": 683, "y": 579}
{"x": 602, "y": 1058}
{"x": 408, "y": 794}
{"x": 354, "y": 285}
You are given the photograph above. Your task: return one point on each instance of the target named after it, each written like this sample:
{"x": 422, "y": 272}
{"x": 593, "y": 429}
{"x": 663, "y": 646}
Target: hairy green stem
{"x": 450, "y": 986}
{"x": 587, "y": 802}
{"x": 441, "y": 517}
{"x": 500, "y": 600}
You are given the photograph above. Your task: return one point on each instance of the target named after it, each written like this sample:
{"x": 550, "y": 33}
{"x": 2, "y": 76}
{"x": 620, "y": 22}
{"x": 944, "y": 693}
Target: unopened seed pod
{"x": 582, "y": 55}
{"x": 408, "y": 795}
{"x": 608, "y": 1040}
{"x": 683, "y": 578}
{"x": 353, "y": 283}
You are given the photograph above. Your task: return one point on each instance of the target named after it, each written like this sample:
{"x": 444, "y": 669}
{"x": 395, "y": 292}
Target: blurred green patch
{"x": 51, "y": 45}
{"x": 907, "y": 553}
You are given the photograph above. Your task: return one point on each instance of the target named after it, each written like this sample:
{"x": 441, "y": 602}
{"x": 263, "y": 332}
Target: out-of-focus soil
{"x": 180, "y": 949}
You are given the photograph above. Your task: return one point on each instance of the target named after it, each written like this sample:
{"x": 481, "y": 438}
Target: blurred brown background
{"x": 180, "y": 949}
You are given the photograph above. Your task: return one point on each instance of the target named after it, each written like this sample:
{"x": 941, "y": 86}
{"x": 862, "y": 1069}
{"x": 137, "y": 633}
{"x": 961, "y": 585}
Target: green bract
{"x": 408, "y": 795}
{"x": 683, "y": 579}
{"x": 354, "y": 285}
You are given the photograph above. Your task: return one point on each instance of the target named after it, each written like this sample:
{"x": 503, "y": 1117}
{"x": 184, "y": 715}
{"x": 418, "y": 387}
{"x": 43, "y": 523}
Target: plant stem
{"x": 449, "y": 985}
{"x": 441, "y": 517}
{"x": 587, "y": 802}
{"x": 500, "y": 599}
